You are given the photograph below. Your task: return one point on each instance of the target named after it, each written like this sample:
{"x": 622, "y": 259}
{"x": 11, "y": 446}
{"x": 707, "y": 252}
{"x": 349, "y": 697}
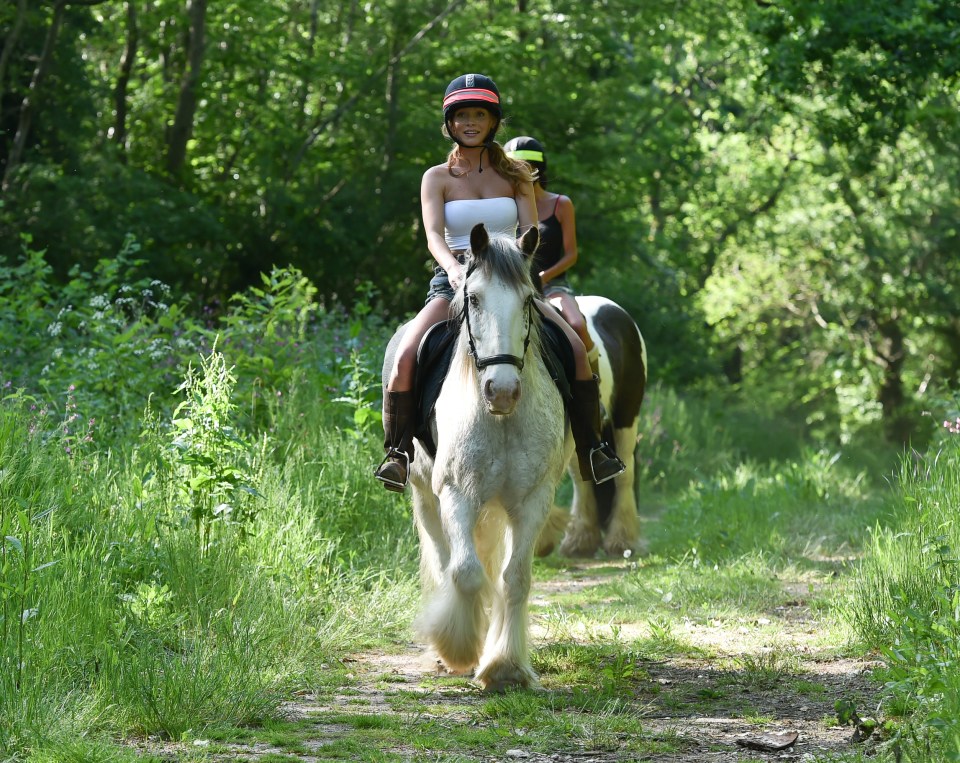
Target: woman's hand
{"x": 455, "y": 275}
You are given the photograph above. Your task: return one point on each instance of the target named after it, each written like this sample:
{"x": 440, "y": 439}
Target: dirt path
{"x": 703, "y": 708}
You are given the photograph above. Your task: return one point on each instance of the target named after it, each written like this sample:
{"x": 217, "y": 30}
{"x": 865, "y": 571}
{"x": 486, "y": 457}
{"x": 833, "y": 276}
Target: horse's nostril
{"x": 488, "y": 389}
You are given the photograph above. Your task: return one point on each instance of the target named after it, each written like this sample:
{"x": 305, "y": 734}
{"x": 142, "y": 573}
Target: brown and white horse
{"x": 606, "y": 514}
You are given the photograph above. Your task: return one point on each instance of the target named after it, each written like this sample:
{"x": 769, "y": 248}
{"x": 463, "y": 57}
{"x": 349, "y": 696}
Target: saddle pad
{"x": 433, "y": 361}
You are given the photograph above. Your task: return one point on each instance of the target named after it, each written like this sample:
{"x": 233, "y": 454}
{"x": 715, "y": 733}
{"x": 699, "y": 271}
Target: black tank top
{"x": 550, "y": 251}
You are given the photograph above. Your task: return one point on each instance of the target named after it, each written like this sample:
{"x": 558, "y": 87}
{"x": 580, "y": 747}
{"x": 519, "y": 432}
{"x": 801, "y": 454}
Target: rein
{"x": 503, "y": 358}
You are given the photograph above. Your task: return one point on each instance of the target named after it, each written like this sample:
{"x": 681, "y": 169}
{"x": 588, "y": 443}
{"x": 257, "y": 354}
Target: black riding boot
{"x": 398, "y": 414}
{"x": 597, "y": 459}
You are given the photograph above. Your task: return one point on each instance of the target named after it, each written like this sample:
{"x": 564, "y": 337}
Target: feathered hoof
{"x": 580, "y": 544}
{"x": 458, "y": 662}
{"x": 619, "y": 547}
{"x": 502, "y": 674}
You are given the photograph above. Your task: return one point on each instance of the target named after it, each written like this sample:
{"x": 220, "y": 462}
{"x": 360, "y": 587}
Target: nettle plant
{"x": 215, "y": 467}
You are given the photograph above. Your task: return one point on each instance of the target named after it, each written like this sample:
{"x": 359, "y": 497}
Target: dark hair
{"x": 530, "y": 150}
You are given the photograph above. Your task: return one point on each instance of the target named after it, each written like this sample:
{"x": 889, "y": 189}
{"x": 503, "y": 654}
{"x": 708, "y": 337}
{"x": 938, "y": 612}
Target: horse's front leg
{"x": 506, "y": 654}
{"x": 454, "y": 621}
{"x": 434, "y": 549}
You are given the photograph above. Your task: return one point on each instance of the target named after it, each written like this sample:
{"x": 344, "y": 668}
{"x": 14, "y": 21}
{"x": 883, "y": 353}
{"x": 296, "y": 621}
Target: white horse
{"x": 479, "y": 505}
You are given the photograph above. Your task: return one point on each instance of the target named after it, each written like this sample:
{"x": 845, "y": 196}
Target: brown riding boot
{"x": 399, "y": 409}
{"x": 597, "y": 458}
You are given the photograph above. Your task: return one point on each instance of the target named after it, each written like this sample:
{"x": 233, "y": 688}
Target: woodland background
{"x": 209, "y": 225}
{"x": 770, "y": 188}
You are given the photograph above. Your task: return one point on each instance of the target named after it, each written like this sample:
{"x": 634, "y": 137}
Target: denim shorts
{"x": 440, "y": 283}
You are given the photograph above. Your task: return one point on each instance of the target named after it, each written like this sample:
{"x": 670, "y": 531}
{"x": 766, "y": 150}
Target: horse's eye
{"x": 474, "y": 301}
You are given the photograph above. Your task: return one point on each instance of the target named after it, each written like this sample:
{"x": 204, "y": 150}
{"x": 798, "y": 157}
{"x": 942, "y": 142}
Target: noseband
{"x": 494, "y": 360}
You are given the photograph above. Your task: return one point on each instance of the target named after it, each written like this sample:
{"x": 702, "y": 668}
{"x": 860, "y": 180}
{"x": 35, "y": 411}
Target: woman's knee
{"x": 406, "y": 356}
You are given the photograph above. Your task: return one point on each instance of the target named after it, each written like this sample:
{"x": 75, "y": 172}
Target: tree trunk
{"x": 10, "y": 44}
{"x": 29, "y": 105}
{"x": 391, "y": 94}
{"x": 892, "y": 354}
{"x": 189, "y": 85}
{"x": 119, "y": 132}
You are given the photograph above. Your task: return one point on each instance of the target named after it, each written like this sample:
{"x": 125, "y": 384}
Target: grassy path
{"x": 622, "y": 681}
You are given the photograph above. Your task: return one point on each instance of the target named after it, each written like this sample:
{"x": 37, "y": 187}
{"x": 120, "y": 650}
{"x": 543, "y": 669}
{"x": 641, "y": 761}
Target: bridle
{"x": 493, "y": 360}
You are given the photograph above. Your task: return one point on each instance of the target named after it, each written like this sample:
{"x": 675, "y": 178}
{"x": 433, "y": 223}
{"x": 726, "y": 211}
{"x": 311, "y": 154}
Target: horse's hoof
{"x": 582, "y": 546}
{"x": 501, "y": 675}
{"x": 619, "y": 549}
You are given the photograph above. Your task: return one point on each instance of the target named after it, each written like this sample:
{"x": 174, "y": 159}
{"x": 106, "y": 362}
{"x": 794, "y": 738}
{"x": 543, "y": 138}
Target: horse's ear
{"x": 479, "y": 240}
{"x": 530, "y": 240}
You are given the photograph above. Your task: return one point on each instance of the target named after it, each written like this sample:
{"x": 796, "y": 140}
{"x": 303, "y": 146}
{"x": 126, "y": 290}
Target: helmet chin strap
{"x": 486, "y": 143}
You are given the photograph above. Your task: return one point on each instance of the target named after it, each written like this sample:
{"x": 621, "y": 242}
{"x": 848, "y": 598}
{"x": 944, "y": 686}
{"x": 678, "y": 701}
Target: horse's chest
{"x": 474, "y": 446}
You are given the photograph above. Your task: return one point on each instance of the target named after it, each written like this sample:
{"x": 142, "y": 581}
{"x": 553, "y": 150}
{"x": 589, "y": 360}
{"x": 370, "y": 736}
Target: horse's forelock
{"x": 504, "y": 260}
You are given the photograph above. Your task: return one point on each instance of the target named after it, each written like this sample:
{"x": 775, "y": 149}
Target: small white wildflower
{"x": 627, "y": 554}
{"x": 55, "y": 328}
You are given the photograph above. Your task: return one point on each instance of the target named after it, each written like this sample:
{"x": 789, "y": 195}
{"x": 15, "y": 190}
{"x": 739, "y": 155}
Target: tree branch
{"x": 344, "y": 107}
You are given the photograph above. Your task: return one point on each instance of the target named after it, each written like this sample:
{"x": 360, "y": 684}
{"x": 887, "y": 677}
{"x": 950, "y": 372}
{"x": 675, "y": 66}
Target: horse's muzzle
{"x": 501, "y": 396}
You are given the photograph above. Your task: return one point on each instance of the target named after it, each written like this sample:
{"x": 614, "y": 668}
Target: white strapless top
{"x": 499, "y": 215}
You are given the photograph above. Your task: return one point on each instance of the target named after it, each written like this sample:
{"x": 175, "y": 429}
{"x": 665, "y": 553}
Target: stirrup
{"x": 389, "y": 484}
{"x": 604, "y": 449}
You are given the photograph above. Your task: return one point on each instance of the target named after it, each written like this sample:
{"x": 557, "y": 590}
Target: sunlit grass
{"x": 185, "y": 591}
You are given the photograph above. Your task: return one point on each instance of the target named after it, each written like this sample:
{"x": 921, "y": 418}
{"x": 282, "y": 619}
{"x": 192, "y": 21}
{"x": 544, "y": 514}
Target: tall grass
{"x": 183, "y": 549}
{"x": 906, "y": 603}
{"x": 190, "y": 530}
{"x": 727, "y": 483}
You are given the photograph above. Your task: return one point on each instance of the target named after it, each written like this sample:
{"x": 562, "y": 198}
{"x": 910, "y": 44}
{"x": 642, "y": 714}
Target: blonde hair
{"x": 516, "y": 171}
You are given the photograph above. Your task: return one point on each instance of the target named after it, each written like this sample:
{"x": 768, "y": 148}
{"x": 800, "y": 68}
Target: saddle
{"x": 433, "y": 362}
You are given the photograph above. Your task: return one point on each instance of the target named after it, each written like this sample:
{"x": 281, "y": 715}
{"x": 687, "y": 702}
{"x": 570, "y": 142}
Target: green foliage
{"x": 197, "y": 565}
{"x": 215, "y": 465}
{"x": 32, "y": 491}
{"x": 906, "y": 603}
{"x": 268, "y": 326}
{"x": 104, "y": 340}
{"x": 769, "y": 189}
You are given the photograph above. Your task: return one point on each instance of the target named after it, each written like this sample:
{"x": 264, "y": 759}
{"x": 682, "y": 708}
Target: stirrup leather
{"x": 389, "y": 483}
{"x": 604, "y": 449}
